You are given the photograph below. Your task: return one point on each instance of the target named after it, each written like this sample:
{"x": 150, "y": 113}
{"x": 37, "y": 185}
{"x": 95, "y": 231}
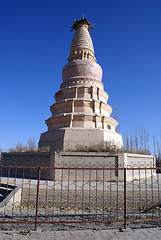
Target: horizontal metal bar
{"x": 142, "y": 168}
{"x": 83, "y": 168}
{"x": 98, "y": 221}
{"x": 63, "y": 168}
{"x": 143, "y": 220}
{"x": 103, "y": 221}
{"x": 23, "y": 222}
{"x": 9, "y": 166}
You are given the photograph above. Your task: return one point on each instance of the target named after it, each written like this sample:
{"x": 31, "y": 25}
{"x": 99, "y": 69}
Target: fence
{"x": 79, "y": 194}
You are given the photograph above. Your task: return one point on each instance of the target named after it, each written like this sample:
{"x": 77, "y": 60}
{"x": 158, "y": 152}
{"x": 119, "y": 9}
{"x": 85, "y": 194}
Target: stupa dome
{"x": 82, "y": 68}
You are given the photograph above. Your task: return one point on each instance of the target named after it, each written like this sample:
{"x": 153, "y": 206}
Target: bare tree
{"x": 115, "y": 116}
{"x": 154, "y": 144}
{"x": 12, "y": 149}
{"x": 131, "y": 144}
{"x": 127, "y": 143}
{"x": 141, "y": 138}
{"x": 32, "y": 145}
{"x": 136, "y": 142}
{"x": 20, "y": 147}
{"x": 0, "y": 153}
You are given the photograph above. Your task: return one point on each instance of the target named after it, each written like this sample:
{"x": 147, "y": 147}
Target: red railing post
{"x": 37, "y": 199}
{"x": 125, "y": 219}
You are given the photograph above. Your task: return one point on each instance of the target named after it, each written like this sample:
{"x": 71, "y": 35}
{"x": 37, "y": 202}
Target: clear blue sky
{"x": 35, "y": 39}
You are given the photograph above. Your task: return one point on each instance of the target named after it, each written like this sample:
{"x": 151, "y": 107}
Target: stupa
{"x": 80, "y": 129}
{"x": 80, "y": 115}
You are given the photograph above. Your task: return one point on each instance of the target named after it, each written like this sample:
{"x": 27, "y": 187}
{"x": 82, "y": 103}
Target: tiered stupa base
{"x": 80, "y": 139}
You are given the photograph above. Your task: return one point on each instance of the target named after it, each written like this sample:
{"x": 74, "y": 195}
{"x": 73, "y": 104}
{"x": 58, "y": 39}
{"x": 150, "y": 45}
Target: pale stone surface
{"x": 139, "y": 160}
{"x": 13, "y": 198}
{"x": 82, "y": 69}
{"x": 109, "y": 160}
{"x": 81, "y": 115}
{"x": 104, "y": 159}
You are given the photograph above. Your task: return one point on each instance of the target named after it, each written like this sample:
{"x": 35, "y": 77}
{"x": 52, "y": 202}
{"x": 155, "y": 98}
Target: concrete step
{"x": 7, "y": 191}
{"x": 9, "y": 195}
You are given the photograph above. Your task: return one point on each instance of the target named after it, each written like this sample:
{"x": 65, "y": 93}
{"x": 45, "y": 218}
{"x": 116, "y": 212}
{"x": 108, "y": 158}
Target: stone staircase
{"x": 9, "y": 195}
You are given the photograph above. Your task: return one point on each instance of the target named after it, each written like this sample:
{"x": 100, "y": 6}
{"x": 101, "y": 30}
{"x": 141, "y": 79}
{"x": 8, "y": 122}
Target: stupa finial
{"x": 83, "y": 21}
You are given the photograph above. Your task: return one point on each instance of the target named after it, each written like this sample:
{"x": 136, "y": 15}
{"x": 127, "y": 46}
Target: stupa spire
{"x": 82, "y": 46}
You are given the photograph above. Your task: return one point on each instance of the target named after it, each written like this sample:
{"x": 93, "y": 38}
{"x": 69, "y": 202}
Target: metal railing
{"x": 81, "y": 194}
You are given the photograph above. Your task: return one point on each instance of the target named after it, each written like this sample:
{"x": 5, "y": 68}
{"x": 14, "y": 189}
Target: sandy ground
{"x": 130, "y": 234}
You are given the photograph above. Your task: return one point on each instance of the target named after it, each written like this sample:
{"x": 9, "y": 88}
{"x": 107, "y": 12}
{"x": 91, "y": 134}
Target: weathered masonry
{"x": 81, "y": 116}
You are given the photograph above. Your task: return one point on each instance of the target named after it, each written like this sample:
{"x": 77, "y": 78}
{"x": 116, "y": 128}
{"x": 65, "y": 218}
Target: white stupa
{"x": 81, "y": 116}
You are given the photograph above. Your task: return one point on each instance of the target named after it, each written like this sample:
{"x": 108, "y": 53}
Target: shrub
{"x": 44, "y": 149}
{"x": 107, "y": 146}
